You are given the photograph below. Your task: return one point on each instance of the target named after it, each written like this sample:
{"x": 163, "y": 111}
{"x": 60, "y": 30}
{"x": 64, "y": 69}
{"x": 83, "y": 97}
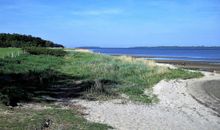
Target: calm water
{"x": 209, "y": 54}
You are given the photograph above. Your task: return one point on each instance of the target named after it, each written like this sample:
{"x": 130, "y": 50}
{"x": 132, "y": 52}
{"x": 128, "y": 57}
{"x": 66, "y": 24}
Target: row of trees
{"x": 18, "y": 40}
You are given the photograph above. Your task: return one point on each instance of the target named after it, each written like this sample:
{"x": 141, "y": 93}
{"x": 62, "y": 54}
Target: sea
{"x": 204, "y": 54}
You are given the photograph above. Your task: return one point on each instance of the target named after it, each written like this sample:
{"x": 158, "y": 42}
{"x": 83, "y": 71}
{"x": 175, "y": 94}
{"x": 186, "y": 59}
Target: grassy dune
{"x": 121, "y": 74}
{"x": 79, "y": 74}
{"x": 102, "y": 76}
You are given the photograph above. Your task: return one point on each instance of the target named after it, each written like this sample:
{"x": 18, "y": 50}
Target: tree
{"x": 18, "y": 40}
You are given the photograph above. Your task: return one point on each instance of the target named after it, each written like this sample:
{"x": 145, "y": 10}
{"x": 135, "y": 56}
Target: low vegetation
{"x": 44, "y": 75}
{"x": 44, "y": 51}
{"x": 99, "y": 75}
{"x": 46, "y": 117}
{"x": 20, "y": 76}
{"x": 10, "y": 52}
{"x": 117, "y": 75}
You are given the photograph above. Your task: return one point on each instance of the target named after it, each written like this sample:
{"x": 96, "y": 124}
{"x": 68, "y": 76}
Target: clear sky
{"x": 115, "y": 23}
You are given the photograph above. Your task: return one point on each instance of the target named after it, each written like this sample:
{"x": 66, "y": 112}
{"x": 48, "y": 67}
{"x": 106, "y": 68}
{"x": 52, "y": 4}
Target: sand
{"x": 207, "y": 92}
{"x": 181, "y": 107}
{"x": 195, "y": 65}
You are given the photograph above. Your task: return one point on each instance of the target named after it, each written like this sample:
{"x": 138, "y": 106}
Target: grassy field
{"x": 9, "y": 52}
{"x": 29, "y": 78}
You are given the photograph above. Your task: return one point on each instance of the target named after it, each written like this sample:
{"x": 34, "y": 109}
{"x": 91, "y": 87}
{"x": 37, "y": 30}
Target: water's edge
{"x": 201, "y": 54}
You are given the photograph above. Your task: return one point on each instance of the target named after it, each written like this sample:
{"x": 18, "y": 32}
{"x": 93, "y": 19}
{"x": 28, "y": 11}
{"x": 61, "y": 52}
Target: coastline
{"x": 185, "y": 64}
{"x": 193, "y": 65}
{"x": 183, "y": 104}
{"x": 205, "y": 90}
{"x": 177, "y": 109}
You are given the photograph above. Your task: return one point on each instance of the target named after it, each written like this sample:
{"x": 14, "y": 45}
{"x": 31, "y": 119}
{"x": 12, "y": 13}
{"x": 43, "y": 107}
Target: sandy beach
{"x": 183, "y": 105}
{"x": 193, "y": 65}
{"x": 207, "y": 92}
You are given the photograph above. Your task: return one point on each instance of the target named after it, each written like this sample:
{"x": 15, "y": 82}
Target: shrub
{"x": 44, "y": 51}
{"x": 10, "y": 96}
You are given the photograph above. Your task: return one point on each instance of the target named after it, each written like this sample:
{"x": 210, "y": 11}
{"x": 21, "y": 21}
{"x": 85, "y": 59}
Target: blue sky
{"x": 115, "y": 23}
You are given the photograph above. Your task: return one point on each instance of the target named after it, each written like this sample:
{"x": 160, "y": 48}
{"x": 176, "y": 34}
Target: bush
{"x": 10, "y": 96}
{"x": 44, "y": 51}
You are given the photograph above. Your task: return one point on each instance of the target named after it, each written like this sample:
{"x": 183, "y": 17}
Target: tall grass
{"x": 27, "y": 63}
{"x": 132, "y": 76}
{"x": 109, "y": 75}
{"x": 10, "y": 52}
{"x": 20, "y": 73}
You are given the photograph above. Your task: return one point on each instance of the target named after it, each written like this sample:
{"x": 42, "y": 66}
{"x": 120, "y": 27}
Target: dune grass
{"x": 102, "y": 77}
{"x": 20, "y": 78}
{"x": 109, "y": 76}
{"x": 10, "y": 52}
{"x": 125, "y": 74}
{"x": 26, "y": 63}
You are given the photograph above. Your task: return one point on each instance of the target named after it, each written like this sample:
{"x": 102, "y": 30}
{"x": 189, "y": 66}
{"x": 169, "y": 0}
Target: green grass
{"x": 28, "y": 71}
{"x": 127, "y": 75}
{"x": 104, "y": 77}
{"x": 45, "y": 51}
{"x": 22, "y": 76}
{"x": 112, "y": 76}
{"x": 26, "y": 63}
{"x": 9, "y": 52}
{"x": 30, "y": 119}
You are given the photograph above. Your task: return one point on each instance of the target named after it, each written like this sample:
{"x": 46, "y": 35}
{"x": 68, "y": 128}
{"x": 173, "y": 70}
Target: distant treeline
{"x": 18, "y": 40}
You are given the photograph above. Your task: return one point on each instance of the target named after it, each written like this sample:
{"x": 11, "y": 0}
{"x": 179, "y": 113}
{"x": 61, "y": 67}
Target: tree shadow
{"x": 47, "y": 85}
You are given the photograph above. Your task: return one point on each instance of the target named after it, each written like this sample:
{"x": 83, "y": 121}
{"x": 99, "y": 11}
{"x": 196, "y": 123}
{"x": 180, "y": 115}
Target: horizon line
{"x": 141, "y": 46}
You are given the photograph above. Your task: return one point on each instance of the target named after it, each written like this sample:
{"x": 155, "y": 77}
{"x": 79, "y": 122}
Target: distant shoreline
{"x": 209, "y": 66}
{"x": 146, "y": 47}
{"x": 169, "y": 58}
{"x": 194, "y": 65}
{"x": 203, "y": 54}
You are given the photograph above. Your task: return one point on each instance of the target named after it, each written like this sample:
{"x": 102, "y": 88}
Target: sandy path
{"x": 177, "y": 110}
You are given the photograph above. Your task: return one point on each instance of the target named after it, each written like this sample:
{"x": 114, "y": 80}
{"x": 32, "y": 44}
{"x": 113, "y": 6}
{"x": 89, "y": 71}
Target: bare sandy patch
{"x": 177, "y": 109}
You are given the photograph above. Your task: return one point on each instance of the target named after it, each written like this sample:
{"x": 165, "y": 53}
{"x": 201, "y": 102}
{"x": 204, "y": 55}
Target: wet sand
{"x": 207, "y": 92}
{"x": 195, "y": 65}
{"x": 212, "y": 88}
